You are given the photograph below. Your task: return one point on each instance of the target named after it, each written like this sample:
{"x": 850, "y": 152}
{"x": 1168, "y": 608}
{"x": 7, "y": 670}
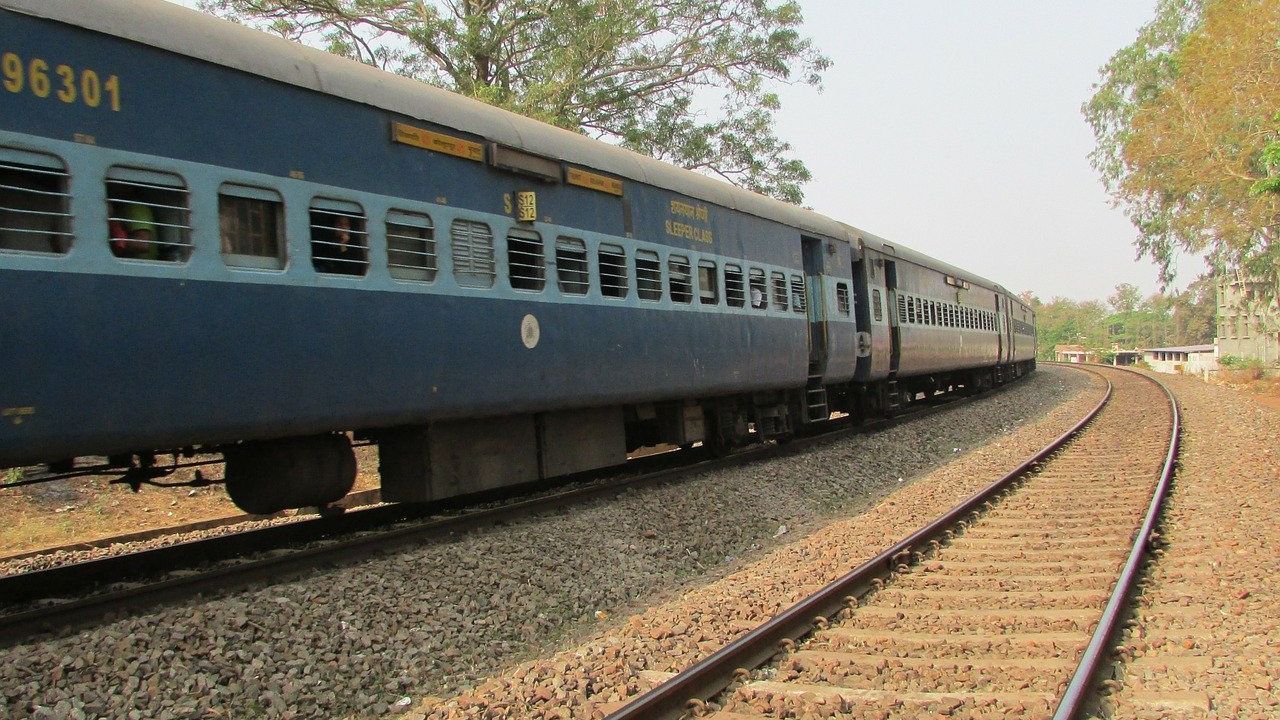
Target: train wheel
{"x": 265, "y": 477}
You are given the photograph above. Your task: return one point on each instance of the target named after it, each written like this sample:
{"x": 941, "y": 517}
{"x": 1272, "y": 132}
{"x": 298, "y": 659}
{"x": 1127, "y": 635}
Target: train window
{"x": 708, "y": 283}
{"x": 877, "y": 310}
{"x": 34, "y": 203}
{"x": 902, "y": 310}
{"x": 339, "y": 242}
{"x": 912, "y": 317}
{"x": 842, "y": 298}
{"x": 471, "y": 248}
{"x": 251, "y": 225}
{"x": 759, "y": 289}
{"x": 680, "y": 278}
{"x": 734, "y": 292}
{"x": 779, "y": 290}
{"x": 526, "y": 264}
{"x": 147, "y": 215}
{"x": 411, "y": 246}
{"x": 799, "y": 301}
{"x": 648, "y": 275}
{"x": 571, "y": 266}
{"x": 612, "y": 263}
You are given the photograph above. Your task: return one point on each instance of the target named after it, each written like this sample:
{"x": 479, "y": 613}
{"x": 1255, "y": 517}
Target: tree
{"x": 639, "y": 73}
{"x": 1125, "y": 299}
{"x": 1189, "y": 137}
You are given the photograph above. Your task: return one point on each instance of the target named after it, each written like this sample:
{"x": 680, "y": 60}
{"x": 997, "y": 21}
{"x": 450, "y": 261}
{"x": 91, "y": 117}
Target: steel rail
{"x": 73, "y": 578}
{"x": 713, "y": 674}
{"x": 1095, "y": 653}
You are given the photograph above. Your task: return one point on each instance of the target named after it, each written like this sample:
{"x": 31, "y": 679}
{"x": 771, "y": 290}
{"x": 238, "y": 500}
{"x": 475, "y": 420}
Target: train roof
{"x": 195, "y": 34}
{"x": 881, "y": 245}
{"x": 181, "y": 30}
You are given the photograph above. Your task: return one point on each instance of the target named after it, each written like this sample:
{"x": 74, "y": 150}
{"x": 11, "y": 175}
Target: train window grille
{"x": 526, "y": 261}
{"x": 799, "y": 301}
{"x": 902, "y": 310}
{"x": 735, "y": 294}
{"x": 251, "y": 225}
{"x": 648, "y": 275}
{"x": 571, "y": 266}
{"x": 779, "y": 290}
{"x": 680, "y": 279}
{"x": 471, "y": 249}
{"x": 34, "y": 203}
{"x": 147, "y": 215}
{"x": 708, "y": 283}
{"x": 842, "y": 298}
{"x": 877, "y": 307}
{"x": 911, "y": 310}
{"x": 339, "y": 241}
{"x": 411, "y": 246}
{"x": 612, "y": 264}
{"x": 759, "y": 289}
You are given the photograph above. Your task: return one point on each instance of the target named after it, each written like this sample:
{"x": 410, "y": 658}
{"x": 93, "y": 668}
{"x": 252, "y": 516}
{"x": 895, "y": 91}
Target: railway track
{"x": 1003, "y": 607}
{"x": 79, "y": 593}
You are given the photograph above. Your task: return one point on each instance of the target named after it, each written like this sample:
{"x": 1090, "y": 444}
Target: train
{"x": 216, "y": 240}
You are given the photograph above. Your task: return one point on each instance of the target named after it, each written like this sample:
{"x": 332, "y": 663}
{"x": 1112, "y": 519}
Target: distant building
{"x": 1192, "y": 359}
{"x": 1125, "y": 357}
{"x": 1248, "y": 324}
{"x": 1074, "y": 354}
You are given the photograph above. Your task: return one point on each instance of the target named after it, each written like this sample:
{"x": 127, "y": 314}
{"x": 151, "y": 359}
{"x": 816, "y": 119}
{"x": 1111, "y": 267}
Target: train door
{"x": 999, "y": 334}
{"x": 891, "y": 297}
{"x": 816, "y": 301}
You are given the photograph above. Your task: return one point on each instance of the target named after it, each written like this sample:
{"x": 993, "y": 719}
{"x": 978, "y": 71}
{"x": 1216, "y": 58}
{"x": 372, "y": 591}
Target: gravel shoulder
{"x": 1205, "y": 638}
{"x": 598, "y": 676}
{"x": 441, "y": 618}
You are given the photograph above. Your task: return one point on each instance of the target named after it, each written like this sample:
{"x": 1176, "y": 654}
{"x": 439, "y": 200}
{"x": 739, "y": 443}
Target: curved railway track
{"x": 1003, "y": 607}
{"x": 79, "y": 593}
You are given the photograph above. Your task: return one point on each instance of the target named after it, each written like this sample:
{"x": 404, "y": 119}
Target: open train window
{"x": 526, "y": 263}
{"x": 680, "y": 279}
{"x": 648, "y": 275}
{"x": 147, "y": 215}
{"x": 411, "y": 246}
{"x": 34, "y": 203}
{"x": 779, "y": 290}
{"x": 708, "y": 283}
{"x": 611, "y": 261}
{"x": 571, "y": 266}
{"x": 251, "y": 225}
{"x": 471, "y": 248}
{"x": 734, "y": 292}
{"x": 842, "y": 298}
{"x": 759, "y": 289}
{"x": 339, "y": 241}
{"x": 877, "y": 309}
{"x": 799, "y": 301}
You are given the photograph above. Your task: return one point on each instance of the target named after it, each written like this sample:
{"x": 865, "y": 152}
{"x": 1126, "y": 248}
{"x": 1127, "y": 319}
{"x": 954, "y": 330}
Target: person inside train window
{"x": 132, "y": 227}
{"x": 337, "y": 243}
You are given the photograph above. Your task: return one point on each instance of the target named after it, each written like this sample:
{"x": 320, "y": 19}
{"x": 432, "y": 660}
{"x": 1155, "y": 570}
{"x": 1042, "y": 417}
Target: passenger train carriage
{"x": 214, "y": 239}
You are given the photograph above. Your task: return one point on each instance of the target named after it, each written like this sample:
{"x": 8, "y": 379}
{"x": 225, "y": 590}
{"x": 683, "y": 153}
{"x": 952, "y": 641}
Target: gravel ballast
{"x": 1205, "y": 638}
{"x": 376, "y": 637}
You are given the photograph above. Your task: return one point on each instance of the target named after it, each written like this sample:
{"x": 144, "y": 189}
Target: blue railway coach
{"x": 215, "y": 239}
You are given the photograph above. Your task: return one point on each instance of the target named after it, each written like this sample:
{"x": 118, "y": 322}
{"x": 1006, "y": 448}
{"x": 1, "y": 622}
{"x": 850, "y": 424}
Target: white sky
{"x": 954, "y": 128}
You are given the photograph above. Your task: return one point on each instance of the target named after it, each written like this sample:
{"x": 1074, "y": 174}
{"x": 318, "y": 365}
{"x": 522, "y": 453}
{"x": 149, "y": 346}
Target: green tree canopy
{"x": 646, "y": 74}
{"x": 1189, "y": 136}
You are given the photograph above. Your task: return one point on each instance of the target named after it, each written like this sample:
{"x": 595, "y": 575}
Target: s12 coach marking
{"x": 64, "y": 82}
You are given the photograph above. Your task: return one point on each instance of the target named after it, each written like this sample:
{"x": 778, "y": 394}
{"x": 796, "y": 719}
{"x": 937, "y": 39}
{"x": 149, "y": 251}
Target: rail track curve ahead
{"x": 1003, "y": 607}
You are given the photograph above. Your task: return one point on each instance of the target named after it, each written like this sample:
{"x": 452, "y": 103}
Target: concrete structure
{"x": 1197, "y": 359}
{"x": 1248, "y": 321}
{"x": 1074, "y": 354}
{"x": 1125, "y": 357}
